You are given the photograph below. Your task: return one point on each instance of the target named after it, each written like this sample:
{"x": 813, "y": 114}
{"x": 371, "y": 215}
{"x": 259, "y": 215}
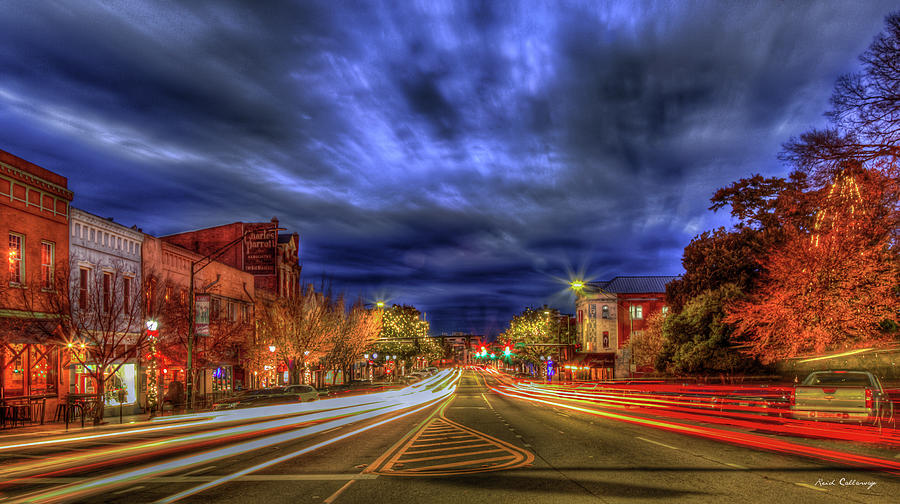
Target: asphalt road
{"x": 474, "y": 446}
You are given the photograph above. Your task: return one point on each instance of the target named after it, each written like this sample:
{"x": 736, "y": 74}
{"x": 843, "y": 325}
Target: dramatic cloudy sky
{"x": 463, "y": 157}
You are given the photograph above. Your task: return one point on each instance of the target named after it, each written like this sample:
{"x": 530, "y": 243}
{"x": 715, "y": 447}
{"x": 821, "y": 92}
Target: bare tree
{"x": 358, "y": 330}
{"x": 168, "y": 303}
{"x": 299, "y": 327}
{"x": 96, "y": 314}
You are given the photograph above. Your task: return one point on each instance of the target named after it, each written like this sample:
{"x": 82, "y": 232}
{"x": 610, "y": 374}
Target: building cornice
{"x": 84, "y": 217}
{"x": 36, "y": 181}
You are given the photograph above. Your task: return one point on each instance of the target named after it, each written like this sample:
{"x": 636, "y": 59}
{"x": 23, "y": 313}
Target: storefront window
{"x": 14, "y": 370}
{"x": 43, "y": 369}
{"x": 123, "y": 380}
{"x": 221, "y": 379}
{"x": 29, "y": 369}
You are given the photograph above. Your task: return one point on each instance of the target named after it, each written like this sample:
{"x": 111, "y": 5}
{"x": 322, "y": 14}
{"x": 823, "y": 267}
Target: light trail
{"x": 204, "y": 418}
{"x": 289, "y": 456}
{"x": 440, "y": 388}
{"x": 739, "y": 438}
{"x": 720, "y": 409}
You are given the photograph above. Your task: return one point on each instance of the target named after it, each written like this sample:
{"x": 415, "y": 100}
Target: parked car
{"x": 412, "y": 377}
{"x": 842, "y": 396}
{"x": 270, "y": 396}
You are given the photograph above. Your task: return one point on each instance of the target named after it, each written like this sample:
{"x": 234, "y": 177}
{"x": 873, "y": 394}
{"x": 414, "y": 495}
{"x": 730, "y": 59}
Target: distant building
{"x": 34, "y": 215}
{"x": 461, "y": 346}
{"x": 272, "y": 258}
{"x": 608, "y": 313}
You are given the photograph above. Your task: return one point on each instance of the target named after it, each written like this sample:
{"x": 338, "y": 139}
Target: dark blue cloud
{"x": 459, "y": 156}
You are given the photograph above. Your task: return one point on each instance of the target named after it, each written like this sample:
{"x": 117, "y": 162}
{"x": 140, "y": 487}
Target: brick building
{"x": 34, "y": 214}
{"x": 272, "y": 258}
{"x": 220, "y": 347}
{"x": 607, "y": 314}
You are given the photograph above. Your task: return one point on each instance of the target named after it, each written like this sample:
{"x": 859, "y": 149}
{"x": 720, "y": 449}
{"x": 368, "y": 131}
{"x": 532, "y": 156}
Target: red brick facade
{"x": 34, "y": 229}
{"x": 251, "y": 255}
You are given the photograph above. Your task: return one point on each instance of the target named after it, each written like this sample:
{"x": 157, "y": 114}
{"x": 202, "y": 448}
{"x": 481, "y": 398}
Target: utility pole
{"x": 209, "y": 258}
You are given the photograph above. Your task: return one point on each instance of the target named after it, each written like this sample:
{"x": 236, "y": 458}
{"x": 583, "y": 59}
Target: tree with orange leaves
{"x": 831, "y": 287}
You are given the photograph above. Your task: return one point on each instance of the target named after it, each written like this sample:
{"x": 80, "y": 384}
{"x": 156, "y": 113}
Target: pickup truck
{"x": 842, "y": 396}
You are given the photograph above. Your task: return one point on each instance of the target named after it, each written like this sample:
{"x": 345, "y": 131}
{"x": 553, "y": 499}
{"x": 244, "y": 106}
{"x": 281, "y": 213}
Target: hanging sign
{"x": 201, "y": 314}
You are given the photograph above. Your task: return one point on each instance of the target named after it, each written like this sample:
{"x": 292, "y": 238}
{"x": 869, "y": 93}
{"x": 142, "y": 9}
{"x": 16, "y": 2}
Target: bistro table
{"x": 78, "y": 404}
{"x": 22, "y": 409}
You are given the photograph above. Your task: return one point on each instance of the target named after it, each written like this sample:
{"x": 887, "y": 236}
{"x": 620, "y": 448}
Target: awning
{"x": 593, "y": 360}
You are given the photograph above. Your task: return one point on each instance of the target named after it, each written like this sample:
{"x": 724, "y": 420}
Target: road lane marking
{"x": 736, "y": 466}
{"x": 656, "y": 442}
{"x": 334, "y": 496}
{"x": 132, "y": 489}
{"x": 463, "y": 463}
{"x": 486, "y": 400}
{"x": 380, "y": 460}
{"x": 445, "y": 456}
{"x": 804, "y": 485}
{"x": 396, "y": 462}
{"x": 432, "y": 450}
{"x": 442, "y": 444}
{"x": 198, "y": 471}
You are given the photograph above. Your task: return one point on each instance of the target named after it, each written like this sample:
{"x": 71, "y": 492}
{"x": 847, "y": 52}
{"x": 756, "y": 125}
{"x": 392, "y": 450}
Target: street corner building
{"x": 608, "y": 313}
{"x": 34, "y": 221}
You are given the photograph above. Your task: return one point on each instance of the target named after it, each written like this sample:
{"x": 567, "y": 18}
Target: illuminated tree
{"x": 533, "y": 328}
{"x": 834, "y": 287}
{"x": 302, "y": 328}
{"x": 403, "y": 322}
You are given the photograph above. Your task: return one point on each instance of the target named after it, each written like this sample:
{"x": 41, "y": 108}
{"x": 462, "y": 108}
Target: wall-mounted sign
{"x": 260, "y": 244}
{"x": 201, "y": 314}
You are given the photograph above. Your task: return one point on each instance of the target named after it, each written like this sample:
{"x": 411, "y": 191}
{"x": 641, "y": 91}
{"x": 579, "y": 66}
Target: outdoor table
{"x": 14, "y": 410}
{"x": 83, "y": 402}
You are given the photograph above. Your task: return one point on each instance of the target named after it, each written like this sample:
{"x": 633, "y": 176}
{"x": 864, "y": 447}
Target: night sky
{"x": 464, "y": 157}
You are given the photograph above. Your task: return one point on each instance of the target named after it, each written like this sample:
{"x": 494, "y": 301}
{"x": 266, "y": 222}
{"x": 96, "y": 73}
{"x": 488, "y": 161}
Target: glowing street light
{"x": 272, "y": 348}
{"x": 577, "y": 284}
{"x": 380, "y": 304}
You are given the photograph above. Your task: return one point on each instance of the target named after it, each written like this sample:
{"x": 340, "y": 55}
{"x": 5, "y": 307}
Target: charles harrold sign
{"x": 259, "y": 249}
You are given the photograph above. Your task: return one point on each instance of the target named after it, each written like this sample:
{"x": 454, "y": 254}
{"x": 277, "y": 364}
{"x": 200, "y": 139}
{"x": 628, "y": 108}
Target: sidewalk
{"x": 59, "y": 428}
